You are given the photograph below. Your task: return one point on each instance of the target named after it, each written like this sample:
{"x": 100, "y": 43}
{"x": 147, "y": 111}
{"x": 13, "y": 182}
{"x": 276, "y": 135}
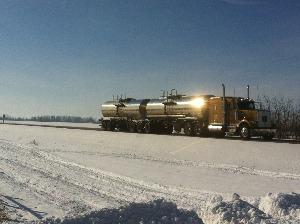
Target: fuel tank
{"x": 155, "y": 107}
{"x": 109, "y": 109}
{"x": 134, "y": 109}
{"x": 192, "y": 106}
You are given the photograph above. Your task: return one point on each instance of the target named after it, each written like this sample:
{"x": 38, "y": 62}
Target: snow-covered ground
{"x": 57, "y": 172}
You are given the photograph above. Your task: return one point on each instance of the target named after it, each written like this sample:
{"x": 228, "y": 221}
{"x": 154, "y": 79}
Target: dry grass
{"x": 3, "y": 215}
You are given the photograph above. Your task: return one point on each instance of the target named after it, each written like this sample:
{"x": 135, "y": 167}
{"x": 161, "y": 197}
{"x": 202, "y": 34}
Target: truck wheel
{"x": 132, "y": 127}
{"x": 198, "y": 130}
{"x": 140, "y": 127}
{"x": 148, "y": 128}
{"x": 188, "y": 129}
{"x": 245, "y": 131}
{"x": 104, "y": 125}
{"x": 110, "y": 126}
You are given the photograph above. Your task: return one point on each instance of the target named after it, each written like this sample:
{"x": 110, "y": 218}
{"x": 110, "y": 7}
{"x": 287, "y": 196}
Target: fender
{"x": 244, "y": 121}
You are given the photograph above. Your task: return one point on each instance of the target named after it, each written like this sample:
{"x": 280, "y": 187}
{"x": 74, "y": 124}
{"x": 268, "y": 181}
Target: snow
{"x": 234, "y": 211}
{"x": 62, "y": 175}
{"x": 158, "y": 211}
{"x": 281, "y": 205}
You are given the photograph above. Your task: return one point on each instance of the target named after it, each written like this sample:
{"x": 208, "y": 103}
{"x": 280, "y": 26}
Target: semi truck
{"x": 202, "y": 115}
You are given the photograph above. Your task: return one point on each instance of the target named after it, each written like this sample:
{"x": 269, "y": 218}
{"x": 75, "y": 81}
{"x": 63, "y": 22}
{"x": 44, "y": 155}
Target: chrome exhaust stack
{"x": 223, "y": 109}
{"x": 248, "y": 94}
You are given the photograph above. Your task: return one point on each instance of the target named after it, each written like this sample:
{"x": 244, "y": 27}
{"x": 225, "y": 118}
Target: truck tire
{"x": 198, "y": 129}
{"x": 245, "y": 131}
{"x": 132, "y": 127}
{"x": 148, "y": 128}
{"x": 188, "y": 129}
{"x": 104, "y": 125}
{"x": 140, "y": 127}
{"x": 110, "y": 126}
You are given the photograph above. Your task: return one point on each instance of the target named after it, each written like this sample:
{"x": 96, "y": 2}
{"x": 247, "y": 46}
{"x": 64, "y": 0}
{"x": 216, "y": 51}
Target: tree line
{"x": 71, "y": 119}
{"x": 285, "y": 115}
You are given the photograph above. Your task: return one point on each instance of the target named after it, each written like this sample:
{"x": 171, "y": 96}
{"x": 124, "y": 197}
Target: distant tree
{"x": 285, "y": 114}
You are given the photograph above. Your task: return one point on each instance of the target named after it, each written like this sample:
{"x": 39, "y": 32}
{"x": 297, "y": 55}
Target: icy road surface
{"x": 48, "y": 171}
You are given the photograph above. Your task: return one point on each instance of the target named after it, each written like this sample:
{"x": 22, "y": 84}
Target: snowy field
{"x": 82, "y": 176}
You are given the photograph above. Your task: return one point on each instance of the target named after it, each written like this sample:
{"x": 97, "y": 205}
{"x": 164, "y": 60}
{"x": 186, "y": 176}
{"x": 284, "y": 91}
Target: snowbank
{"x": 272, "y": 209}
{"x": 158, "y": 211}
{"x": 281, "y": 205}
{"x": 236, "y": 210}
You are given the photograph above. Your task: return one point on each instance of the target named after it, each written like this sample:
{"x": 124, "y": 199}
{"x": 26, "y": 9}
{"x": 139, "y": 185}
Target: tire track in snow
{"x": 76, "y": 188}
{"x": 223, "y": 167}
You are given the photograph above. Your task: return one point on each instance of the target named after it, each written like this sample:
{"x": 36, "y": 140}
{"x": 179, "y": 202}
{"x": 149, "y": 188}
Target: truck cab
{"x": 247, "y": 119}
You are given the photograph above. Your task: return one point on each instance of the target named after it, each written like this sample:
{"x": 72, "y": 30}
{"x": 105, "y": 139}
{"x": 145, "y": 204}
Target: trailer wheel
{"x": 148, "y": 128}
{"x": 245, "y": 131}
{"x": 198, "y": 129}
{"x": 140, "y": 127}
{"x": 132, "y": 127}
{"x": 110, "y": 126}
{"x": 188, "y": 129}
{"x": 104, "y": 125}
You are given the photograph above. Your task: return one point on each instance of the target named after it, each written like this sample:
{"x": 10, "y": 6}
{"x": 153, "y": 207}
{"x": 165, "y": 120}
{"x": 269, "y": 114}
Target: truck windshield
{"x": 246, "y": 105}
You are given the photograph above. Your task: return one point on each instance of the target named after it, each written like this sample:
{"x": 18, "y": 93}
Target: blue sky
{"x": 64, "y": 57}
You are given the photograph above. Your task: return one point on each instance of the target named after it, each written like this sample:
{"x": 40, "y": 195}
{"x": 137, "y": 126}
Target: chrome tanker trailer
{"x": 197, "y": 115}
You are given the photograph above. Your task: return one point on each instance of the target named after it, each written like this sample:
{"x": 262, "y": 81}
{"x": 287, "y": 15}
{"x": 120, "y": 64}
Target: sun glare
{"x": 198, "y": 102}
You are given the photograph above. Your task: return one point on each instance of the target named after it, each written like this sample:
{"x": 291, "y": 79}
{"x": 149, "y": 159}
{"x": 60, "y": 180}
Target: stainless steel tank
{"x": 193, "y": 106}
{"x": 155, "y": 107}
{"x": 133, "y": 109}
{"x": 182, "y": 106}
{"x": 109, "y": 109}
